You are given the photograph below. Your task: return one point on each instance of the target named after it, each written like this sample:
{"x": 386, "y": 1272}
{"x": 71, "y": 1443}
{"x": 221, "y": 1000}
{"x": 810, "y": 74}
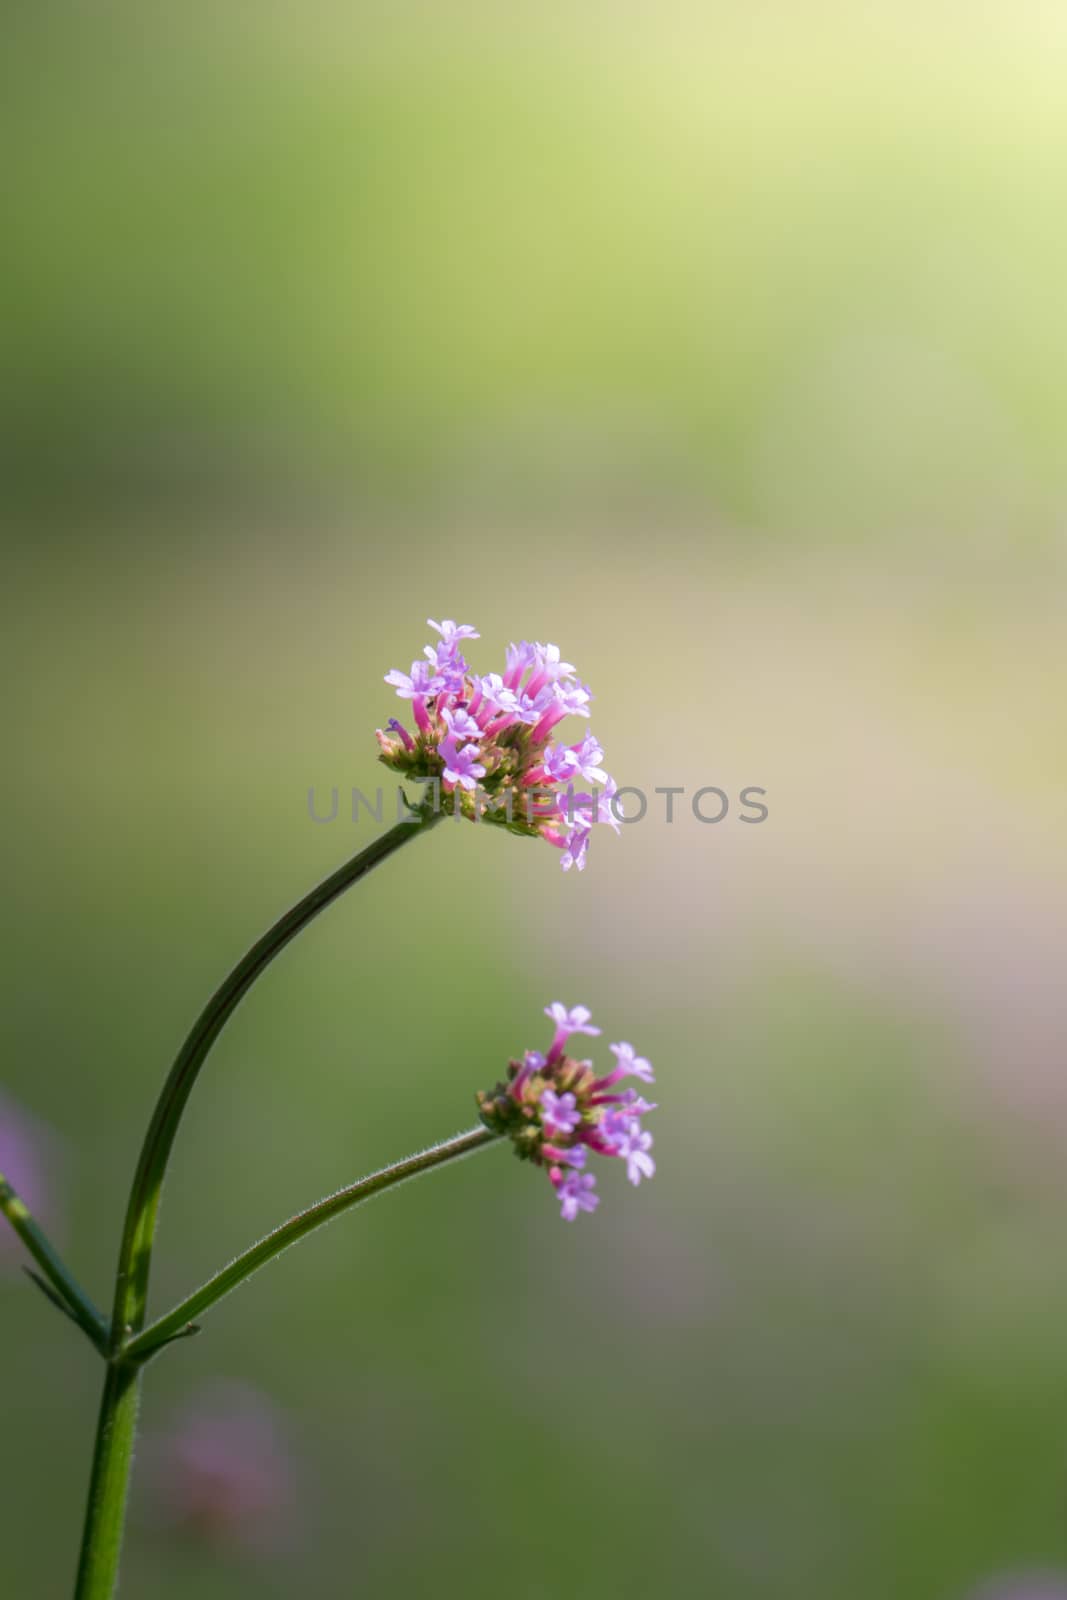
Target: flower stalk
{"x": 135, "y": 1256}
{"x": 178, "y": 1322}
{"x": 116, "y": 1427}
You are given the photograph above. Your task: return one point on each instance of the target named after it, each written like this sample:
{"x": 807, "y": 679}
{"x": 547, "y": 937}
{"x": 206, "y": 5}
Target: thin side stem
{"x": 177, "y": 1322}
{"x": 135, "y": 1256}
{"x": 98, "y": 1566}
{"x": 68, "y": 1290}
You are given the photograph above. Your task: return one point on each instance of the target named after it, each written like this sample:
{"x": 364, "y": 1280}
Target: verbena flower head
{"x": 489, "y": 741}
{"x": 557, "y": 1112}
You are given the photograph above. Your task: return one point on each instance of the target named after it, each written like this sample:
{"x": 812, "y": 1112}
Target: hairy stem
{"x": 177, "y": 1322}
{"x": 98, "y": 1566}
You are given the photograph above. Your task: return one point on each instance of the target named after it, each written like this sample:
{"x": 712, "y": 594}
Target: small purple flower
{"x": 421, "y": 682}
{"x": 460, "y": 723}
{"x": 546, "y": 659}
{"x": 581, "y": 811}
{"x": 631, "y": 1065}
{"x": 563, "y": 763}
{"x": 546, "y": 667}
{"x": 453, "y": 632}
{"x": 557, "y": 763}
{"x": 636, "y": 1104}
{"x": 517, "y": 658}
{"x": 447, "y": 664}
{"x": 575, "y": 1193}
{"x": 572, "y": 698}
{"x": 585, "y": 760}
{"x": 633, "y": 1145}
{"x": 575, "y": 847}
{"x": 529, "y": 708}
{"x": 576, "y": 1020}
{"x": 575, "y": 1155}
{"x": 461, "y": 766}
{"x": 581, "y": 807}
{"x": 515, "y": 703}
{"x": 615, "y": 1124}
{"x": 497, "y": 693}
{"x": 559, "y": 1113}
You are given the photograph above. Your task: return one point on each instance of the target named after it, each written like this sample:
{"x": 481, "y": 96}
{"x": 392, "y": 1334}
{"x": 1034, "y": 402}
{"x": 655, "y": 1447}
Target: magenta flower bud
{"x": 402, "y": 734}
{"x": 543, "y": 728}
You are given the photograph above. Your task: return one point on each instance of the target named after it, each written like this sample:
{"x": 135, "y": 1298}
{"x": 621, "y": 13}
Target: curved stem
{"x": 71, "y": 1296}
{"x": 135, "y": 1256}
{"x": 98, "y": 1565}
{"x": 116, "y": 1428}
{"x": 177, "y": 1322}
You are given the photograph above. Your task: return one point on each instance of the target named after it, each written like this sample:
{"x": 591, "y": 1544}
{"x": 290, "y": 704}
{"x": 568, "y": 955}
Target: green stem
{"x": 113, "y": 1451}
{"x": 177, "y": 1322}
{"x": 70, "y": 1293}
{"x": 135, "y": 1256}
{"x": 98, "y": 1567}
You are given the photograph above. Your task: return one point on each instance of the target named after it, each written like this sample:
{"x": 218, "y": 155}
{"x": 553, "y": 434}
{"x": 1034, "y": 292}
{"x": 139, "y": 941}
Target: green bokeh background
{"x": 726, "y": 345}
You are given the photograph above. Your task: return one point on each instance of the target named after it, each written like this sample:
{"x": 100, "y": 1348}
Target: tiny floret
{"x": 575, "y": 1193}
{"x": 453, "y": 632}
{"x": 577, "y": 1020}
{"x": 422, "y": 681}
{"x": 631, "y": 1065}
{"x": 460, "y": 723}
{"x": 460, "y": 766}
{"x": 633, "y": 1145}
{"x": 559, "y": 1112}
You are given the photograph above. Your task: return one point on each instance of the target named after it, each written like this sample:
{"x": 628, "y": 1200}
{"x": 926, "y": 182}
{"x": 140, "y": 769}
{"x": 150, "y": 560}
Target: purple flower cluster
{"x": 557, "y": 1111}
{"x": 488, "y": 741}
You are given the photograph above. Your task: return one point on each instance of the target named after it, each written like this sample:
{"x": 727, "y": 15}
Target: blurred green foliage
{"x": 801, "y": 263}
